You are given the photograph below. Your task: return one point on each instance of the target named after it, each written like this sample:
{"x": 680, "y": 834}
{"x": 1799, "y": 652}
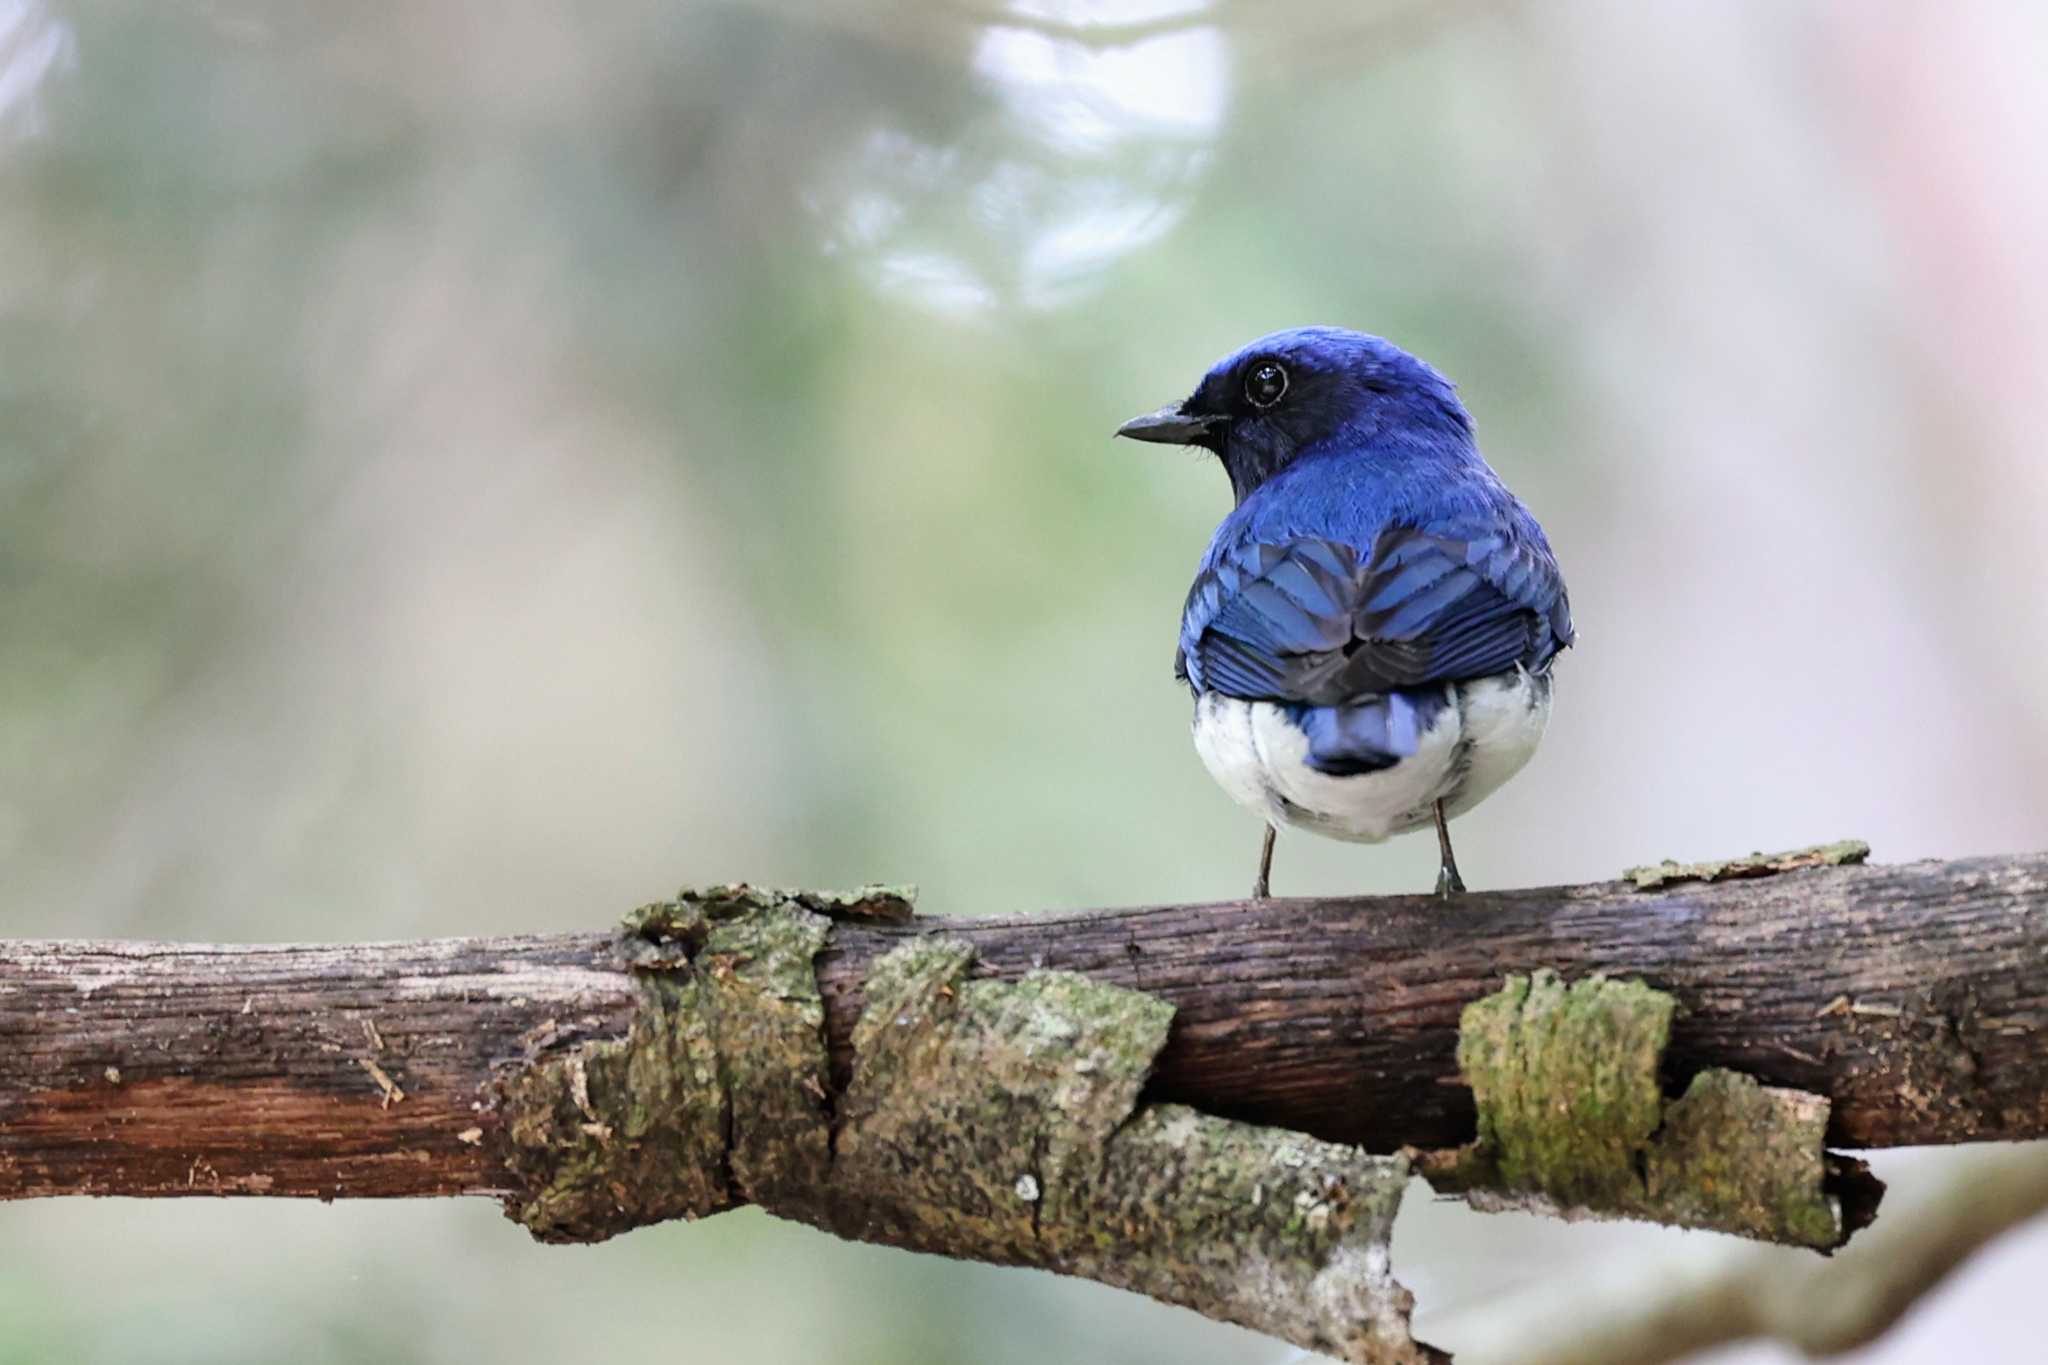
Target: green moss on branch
{"x": 615, "y": 1133}
{"x": 715, "y": 1097}
{"x": 1000, "y": 1120}
{"x": 1572, "y": 1118}
{"x": 1841, "y": 853}
{"x": 997, "y": 1121}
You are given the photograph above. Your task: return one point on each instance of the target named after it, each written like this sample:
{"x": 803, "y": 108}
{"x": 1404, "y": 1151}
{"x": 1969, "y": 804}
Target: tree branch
{"x": 1127, "y": 1095}
{"x": 1911, "y": 996}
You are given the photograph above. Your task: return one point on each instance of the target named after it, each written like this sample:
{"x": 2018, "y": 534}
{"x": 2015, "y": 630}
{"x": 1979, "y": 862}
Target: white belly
{"x": 1258, "y": 756}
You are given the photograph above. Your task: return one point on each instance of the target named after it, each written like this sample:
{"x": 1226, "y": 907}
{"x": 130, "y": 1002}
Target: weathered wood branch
{"x": 1912, "y": 996}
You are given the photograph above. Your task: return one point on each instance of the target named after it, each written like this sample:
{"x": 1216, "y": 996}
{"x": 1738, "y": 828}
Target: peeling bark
{"x": 986, "y": 1120}
{"x": 1573, "y": 1121}
{"x": 715, "y": 1097}
{"x": 1842, "y": 853}
{"x": 1003, "y": 1118}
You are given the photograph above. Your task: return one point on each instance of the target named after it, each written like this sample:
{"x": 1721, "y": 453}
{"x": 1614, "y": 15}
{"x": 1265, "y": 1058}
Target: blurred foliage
{"x": 470, "y": 468}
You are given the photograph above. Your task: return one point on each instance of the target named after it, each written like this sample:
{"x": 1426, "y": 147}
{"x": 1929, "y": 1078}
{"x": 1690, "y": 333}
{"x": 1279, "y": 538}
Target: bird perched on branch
{"x": 1370, "y": 635}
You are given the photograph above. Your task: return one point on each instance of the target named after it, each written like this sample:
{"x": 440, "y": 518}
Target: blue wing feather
{"x": 1360, "y": 640}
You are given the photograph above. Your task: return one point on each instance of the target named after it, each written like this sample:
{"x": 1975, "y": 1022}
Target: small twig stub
{"x": 391, "y": 1090}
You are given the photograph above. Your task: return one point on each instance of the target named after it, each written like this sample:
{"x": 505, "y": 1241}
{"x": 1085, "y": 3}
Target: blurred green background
{"x": 471, "y": 468}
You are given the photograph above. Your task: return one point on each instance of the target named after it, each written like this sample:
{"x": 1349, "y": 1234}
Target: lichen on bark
{"x": 1841, "y": 853}
{"x": 761, "y": 991}
{"x": 715, "y": 1097}
{"x": 617, "y": 1132}
{"x": 986, "y": 1119}
{"x": 1001, "y": 1120}
{"x": 1278, "y": 1232}
{"x": 966, "y": 1091}
{"x": 1743, "y": 1156}
{"x": 1573, "y": 1120}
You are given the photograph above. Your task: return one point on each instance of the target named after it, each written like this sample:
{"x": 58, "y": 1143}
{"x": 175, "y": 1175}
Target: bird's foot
{"x": 1448, "y": 882}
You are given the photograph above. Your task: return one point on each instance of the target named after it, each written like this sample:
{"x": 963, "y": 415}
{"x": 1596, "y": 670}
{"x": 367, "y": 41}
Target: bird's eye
{"x": 1264, "y": 385}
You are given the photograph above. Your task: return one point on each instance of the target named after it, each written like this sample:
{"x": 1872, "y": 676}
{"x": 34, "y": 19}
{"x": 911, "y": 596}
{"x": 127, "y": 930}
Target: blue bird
{"x": 1370, "y": 635}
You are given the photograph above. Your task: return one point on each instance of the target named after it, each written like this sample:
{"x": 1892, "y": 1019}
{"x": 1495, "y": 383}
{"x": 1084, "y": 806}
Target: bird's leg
{"x": 1448, "y": 882}
{"x": 1260, "y": 887}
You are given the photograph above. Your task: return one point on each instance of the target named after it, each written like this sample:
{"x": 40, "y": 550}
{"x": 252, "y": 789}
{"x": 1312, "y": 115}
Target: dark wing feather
{"x": 1312, "y": 621}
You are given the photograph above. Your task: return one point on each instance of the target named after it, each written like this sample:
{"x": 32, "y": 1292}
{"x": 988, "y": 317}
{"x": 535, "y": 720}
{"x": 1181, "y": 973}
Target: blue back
{"x": 1375, "y": 558}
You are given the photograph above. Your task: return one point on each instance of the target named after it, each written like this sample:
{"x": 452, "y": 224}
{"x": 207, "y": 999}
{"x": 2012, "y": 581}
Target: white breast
{"x": 1260, "y": 758}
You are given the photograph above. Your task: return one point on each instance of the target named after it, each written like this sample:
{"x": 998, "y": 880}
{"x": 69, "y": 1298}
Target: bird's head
{"x": 1301, "y": 390}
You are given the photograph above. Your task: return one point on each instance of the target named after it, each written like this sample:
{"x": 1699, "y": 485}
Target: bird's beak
{"x": 1169, "y": 426}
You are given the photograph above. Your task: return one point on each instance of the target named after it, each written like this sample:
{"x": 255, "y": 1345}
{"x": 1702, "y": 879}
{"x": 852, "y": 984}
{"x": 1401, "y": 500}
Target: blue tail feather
{"x": 1368, "y": 736}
